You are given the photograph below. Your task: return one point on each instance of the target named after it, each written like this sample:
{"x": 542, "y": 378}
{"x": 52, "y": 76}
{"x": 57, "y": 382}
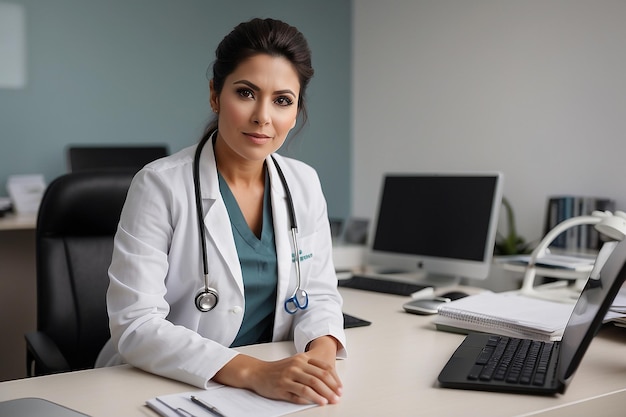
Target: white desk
{"x": 391, "y": 371}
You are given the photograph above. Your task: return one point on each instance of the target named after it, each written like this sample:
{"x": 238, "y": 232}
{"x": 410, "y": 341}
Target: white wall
{"x": 533, "y": 88}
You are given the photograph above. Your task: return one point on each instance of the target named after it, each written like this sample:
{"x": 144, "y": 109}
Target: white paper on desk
{"x": 619, "y": 303}
{"x": 232, "y": 402}
{"x": 613, "y": 316}
{"x": 26, "y": 192}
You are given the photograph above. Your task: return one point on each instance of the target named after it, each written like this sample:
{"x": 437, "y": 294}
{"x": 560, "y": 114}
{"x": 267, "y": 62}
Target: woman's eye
{"x": 245, "y": 92}
{"x": 283, "y": 101}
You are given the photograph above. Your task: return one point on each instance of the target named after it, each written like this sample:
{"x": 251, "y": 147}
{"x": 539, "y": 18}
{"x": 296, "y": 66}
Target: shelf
{"x": 547, "y": 272}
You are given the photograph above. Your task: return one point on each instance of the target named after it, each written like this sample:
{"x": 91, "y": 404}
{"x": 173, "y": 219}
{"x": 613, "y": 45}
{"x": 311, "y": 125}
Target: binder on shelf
{"x": 508, "y": 314}
{"x": 581, "y": 238}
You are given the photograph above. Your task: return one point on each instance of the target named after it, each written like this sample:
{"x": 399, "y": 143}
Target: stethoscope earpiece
{"x": 207, "y": 299}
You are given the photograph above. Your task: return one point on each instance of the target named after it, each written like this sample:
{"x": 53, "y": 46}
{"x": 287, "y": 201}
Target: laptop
{"x": 553, "y": 364}
{"x": 36, "y": 407}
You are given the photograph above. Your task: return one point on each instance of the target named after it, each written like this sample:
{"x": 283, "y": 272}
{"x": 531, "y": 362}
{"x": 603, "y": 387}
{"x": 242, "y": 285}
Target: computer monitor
{"x": 438, "y": 227}
{"x": 112, "y": 157}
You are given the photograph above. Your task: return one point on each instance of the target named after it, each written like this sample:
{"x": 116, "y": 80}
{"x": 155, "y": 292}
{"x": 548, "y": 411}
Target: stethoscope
{"x": 208, "y": 297}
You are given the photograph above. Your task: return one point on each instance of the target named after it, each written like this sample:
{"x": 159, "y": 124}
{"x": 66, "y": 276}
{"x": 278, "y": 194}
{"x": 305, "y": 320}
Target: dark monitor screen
{"x": 89, "y": 158}
{"x": 441, "y": 223}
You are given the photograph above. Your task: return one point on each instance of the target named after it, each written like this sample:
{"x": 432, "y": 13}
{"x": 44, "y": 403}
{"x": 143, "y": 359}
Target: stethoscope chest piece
{"x": 207, "y": 299}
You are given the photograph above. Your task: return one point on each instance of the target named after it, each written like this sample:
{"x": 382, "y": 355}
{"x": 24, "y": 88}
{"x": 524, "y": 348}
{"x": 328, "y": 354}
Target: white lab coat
{"x": 156, "y": 270}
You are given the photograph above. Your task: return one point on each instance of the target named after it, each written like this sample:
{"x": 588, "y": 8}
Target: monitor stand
{"x": 414, "y": 277}
{"x": 437, "y": 280}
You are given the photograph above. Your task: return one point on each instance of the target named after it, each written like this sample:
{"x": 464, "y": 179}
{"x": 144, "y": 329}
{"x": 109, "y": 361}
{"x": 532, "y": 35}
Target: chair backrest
{"x": 110, "y": 157}
{"x": 77, "y": 220}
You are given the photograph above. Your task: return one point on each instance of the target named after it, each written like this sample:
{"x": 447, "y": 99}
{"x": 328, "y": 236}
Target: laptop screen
{"x": 590, "y": 309}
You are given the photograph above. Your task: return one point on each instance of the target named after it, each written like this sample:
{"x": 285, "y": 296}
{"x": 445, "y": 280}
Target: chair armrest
{"x": 45, "y": 354}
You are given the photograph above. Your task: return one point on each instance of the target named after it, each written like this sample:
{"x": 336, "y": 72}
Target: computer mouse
{"x": 454, "y": 295}
{"x": 430, "y": 305}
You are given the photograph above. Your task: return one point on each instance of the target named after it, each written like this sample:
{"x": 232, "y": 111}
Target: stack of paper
{"x": 508, "y": 314}
{"x": 225, "y": 401}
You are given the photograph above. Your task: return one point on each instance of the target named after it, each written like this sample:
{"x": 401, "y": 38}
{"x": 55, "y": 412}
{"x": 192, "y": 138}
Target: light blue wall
{"x": 122, "y": 71}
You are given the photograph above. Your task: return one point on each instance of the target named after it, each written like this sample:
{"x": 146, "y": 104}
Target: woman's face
{"x": 257, "y": 107}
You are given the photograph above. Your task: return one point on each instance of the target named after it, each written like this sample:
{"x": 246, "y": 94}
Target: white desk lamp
{"x": 613, "y": 226}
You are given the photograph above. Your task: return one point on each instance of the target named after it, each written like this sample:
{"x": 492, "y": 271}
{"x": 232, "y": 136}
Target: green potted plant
{"x": 511, "y": 243}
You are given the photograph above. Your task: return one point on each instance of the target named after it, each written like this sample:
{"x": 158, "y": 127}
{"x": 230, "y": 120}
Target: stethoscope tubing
{"x": 294, "y": 239}
{"x": 207, "y": 291}
{"x": 200, "y": 217}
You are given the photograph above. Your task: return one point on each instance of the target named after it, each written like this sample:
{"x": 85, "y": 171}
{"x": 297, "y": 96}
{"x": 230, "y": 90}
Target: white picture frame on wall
{"x": 12, "y": 46}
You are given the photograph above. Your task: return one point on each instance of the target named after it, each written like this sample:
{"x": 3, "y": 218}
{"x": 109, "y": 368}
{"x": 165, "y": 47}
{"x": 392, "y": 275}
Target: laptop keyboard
{"x": 381, "y": 285}
{"x": 516, "y": 361}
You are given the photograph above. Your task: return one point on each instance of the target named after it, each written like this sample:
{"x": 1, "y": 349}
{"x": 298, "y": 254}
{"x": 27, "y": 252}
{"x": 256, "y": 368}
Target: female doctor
{"x": 258, "y": 219}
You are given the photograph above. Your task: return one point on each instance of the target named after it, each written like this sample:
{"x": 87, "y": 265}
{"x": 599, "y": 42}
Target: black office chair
{"x": 77, "y": 220}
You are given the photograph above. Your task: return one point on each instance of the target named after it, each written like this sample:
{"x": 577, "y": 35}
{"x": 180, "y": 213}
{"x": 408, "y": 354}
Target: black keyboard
{"x": 351, "y": 321}
{"x": 381, "y": 285}
{"x": 516, "y": 361}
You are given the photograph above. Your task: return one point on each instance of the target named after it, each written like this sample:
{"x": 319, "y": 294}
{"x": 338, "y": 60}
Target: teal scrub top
{"x": 257, "y": 258}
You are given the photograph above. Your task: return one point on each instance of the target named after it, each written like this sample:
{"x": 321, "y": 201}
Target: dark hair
{"x": 262, "y": 36}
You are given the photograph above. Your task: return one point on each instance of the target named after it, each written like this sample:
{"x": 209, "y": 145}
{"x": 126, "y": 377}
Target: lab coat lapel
{"x": 216, "y": 218}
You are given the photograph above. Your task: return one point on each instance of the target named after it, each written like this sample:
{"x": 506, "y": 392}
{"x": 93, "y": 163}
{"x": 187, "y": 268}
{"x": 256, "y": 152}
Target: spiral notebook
{"x": 508, "y": 314}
